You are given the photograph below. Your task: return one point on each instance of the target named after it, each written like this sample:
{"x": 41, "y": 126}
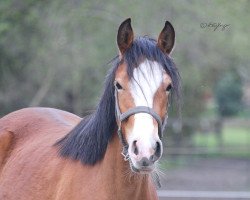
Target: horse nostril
{"x": 158, "y": 150}
{"x": 135, "y": 148}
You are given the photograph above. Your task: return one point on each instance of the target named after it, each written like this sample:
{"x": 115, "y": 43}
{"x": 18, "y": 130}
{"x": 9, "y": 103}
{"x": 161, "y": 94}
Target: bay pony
{"x": 50, "y": 154}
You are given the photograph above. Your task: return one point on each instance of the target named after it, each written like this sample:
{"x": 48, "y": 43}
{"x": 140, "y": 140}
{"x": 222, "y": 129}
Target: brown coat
{"x": 30, "y": 167}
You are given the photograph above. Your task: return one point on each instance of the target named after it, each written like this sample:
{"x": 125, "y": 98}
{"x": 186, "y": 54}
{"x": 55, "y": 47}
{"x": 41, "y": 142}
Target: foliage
{"x": 228, "y": 94}
{"x": 55, "y": 53}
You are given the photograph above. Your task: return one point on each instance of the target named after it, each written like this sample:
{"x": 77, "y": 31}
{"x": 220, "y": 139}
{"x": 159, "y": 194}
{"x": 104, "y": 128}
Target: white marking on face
{"x": 148, "y": 77}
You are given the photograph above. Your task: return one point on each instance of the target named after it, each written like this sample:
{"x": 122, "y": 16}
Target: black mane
{"x": 88, "y": 141}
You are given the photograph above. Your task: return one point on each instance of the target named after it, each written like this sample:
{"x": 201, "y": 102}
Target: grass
{"x": 235, "y": 142}
{"x": 236, "y": 136}
{"x": 230, "y": 137}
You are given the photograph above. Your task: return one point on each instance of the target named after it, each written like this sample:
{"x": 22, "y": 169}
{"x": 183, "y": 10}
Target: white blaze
{"x": 147, "y": 79}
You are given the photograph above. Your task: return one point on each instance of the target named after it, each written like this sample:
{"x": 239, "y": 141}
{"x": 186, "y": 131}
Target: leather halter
{"x": 120, "y": 117}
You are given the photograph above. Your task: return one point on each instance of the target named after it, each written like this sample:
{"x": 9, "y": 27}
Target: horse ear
{"x": 166, "y": 38}
{"x": 125, "y": 36}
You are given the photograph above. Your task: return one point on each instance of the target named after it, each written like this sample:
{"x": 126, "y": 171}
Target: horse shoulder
{"x": 35, "y": 123}
{"x": 28, "y": 156}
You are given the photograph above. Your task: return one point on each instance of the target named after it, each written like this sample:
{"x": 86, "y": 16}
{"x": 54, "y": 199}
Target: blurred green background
{"x": 55, "y": 54}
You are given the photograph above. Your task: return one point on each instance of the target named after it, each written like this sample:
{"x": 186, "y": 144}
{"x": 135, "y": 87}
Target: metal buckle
{"x": 125, "y": 153}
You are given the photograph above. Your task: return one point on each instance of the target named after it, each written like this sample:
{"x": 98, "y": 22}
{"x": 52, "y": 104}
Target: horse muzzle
{"x": 143, "y": 157}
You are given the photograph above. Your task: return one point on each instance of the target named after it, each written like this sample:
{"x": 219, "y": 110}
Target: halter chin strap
{"x": 120, "y": 117}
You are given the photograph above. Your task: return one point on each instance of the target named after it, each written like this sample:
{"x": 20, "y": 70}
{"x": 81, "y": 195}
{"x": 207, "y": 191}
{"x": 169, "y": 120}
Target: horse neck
{"x": 119, "y": 179}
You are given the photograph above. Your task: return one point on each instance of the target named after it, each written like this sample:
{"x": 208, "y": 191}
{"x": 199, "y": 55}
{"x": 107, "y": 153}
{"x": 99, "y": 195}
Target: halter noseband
{"x": 120, "y": 117}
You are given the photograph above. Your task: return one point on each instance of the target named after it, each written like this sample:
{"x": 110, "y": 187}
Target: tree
{"x": 228, "y": 93}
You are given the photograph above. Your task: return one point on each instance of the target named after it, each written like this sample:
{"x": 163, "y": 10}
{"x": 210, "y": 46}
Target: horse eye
{"x": 118, "y": 86}
{"x": 169, "y": 88}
